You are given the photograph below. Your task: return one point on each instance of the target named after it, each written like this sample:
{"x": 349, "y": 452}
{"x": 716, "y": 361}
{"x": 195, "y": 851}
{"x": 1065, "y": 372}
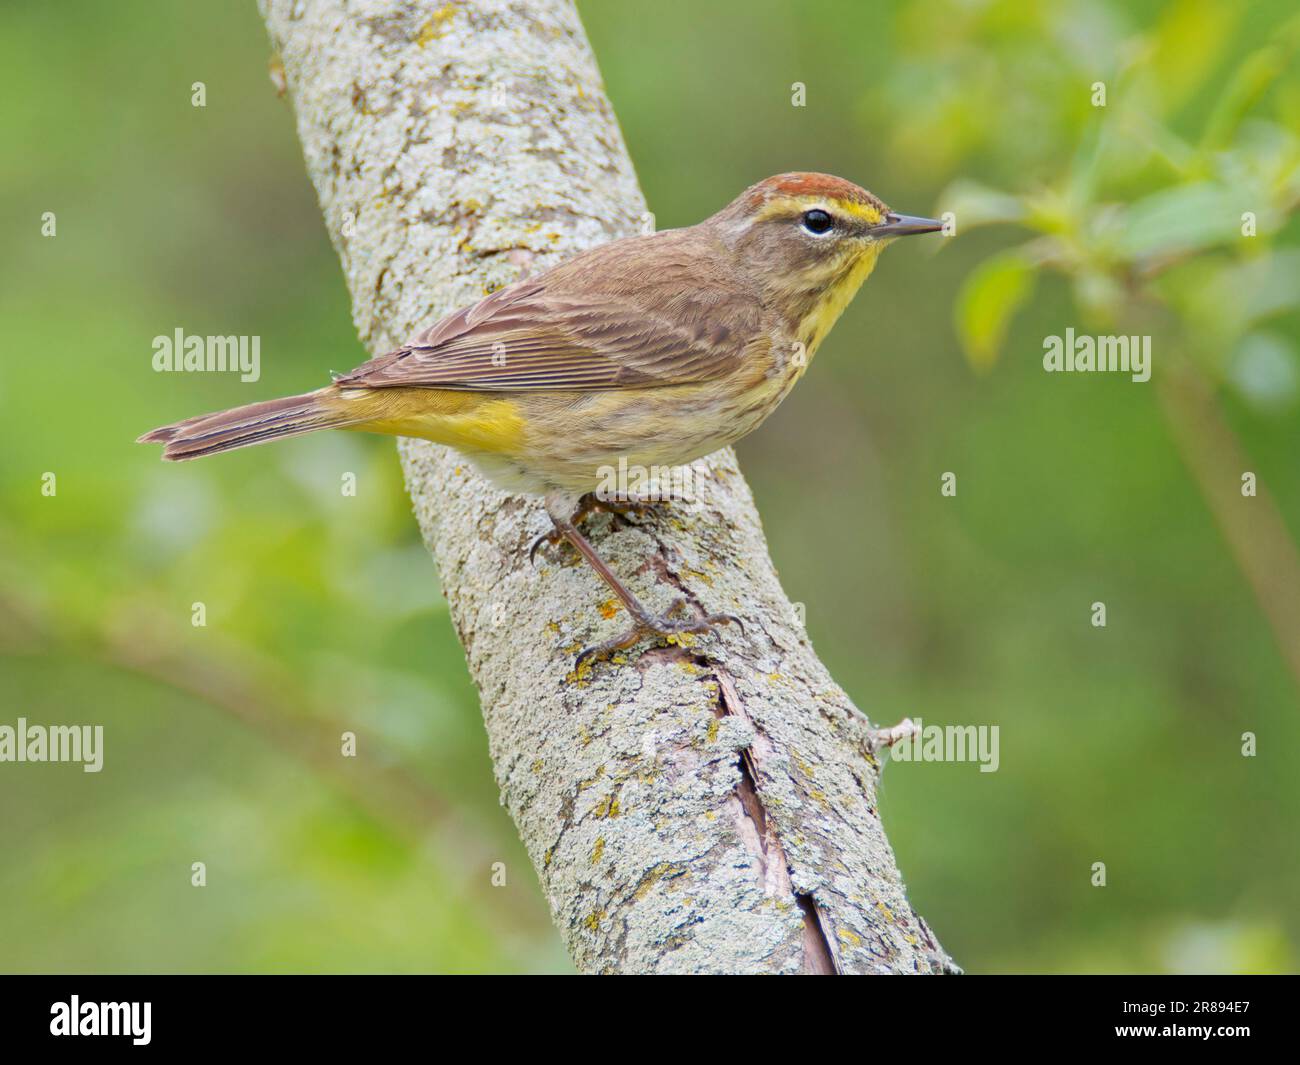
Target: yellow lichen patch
{"x": 696, "y": 575}
{"x": 593, "y": 919}
{"x": 802, "y": 766}
{"x": 585, "y": 735}
{"x": 851, "y": 938}
{"x": 537, "y": 765}
{"x": 607, "y": 808}
{"x": 647, "y": 882}
{"x": 582, "y": 674}
{"x": 435, "y": 27}
{"x": 885, "y": 910}
{"x": 598, "y": 850}
{"x": 653, "y": 877}
{"x": 608, "y": 608}
{"x": 583, "y": 785}
{"x": 553, "y": 628}
{"x": 713, "y": 730}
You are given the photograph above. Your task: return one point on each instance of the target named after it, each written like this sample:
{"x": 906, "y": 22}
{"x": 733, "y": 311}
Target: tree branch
{"x": 704, "y": 807}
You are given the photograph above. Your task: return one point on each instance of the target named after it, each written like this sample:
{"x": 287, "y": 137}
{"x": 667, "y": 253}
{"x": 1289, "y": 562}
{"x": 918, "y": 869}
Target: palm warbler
{"x": 653, "y": 350}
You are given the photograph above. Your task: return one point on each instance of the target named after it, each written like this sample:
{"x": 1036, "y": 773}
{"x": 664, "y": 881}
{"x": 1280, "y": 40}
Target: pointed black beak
{"x": 904, "y": 225}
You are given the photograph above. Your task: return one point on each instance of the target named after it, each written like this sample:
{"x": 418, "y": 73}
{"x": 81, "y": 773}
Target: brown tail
{"x": 256, "y": 423}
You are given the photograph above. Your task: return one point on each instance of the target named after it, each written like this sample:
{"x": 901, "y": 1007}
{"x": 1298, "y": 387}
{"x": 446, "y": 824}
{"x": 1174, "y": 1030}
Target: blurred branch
{"x": 1254, "y": 528}
{"x": 686, "y": 810}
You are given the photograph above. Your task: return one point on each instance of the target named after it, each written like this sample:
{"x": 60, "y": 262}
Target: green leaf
{"x": 1187, "y": 44}
{"x": 1251, "y": 81}
{"x": 1184, "y": 218}
{"x": 974, "y": 204}
{"x": 1223, "y": 301}
{"x": 988, "y": 299}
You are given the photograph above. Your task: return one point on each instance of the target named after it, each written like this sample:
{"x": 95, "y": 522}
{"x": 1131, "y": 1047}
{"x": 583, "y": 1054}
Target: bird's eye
{"x": 817, "y": 221}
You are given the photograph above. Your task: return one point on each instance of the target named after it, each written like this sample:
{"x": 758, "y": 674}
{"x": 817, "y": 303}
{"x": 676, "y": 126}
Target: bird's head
{"x": 811, "y": 240}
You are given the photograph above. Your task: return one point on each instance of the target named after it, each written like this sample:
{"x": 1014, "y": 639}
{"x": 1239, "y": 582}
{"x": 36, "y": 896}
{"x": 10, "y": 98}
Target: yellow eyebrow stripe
{"x": 859, "y": 210}
{"x": 785, "y": 206}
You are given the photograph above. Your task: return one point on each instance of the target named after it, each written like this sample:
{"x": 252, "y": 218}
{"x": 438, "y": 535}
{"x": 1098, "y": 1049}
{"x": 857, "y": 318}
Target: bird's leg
{"x": 644, "y": 623}
{"x": 587, "y": 506}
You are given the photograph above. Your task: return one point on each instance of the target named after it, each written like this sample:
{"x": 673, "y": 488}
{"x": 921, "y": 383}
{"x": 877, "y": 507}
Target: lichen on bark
{"x": 707, "y": 806}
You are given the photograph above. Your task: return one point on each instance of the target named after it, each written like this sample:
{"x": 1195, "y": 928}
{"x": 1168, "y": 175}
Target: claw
{"x": 593, "y": 504}
{"x": 643, "y": 622}
{"x": 624, "y": 507}
{"x": 657, "y": 626}
{"x": 551, "y": 538}
{"x": 589, "y": 505}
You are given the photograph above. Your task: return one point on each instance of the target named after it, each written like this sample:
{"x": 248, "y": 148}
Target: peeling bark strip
{"x": 695, "y": 809}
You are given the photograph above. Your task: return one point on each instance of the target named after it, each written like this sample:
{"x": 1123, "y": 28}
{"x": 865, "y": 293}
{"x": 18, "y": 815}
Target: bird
{"x": 653, "y": 350}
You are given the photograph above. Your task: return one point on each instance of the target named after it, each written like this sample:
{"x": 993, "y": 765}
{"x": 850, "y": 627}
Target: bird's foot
{"x": 591, "y": 503}
{"x": 645, "y": 624}
{"x": 587, "y": 506}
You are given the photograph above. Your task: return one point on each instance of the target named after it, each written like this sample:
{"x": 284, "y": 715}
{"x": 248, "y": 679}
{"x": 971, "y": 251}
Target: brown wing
{"x": 601, "y": 320}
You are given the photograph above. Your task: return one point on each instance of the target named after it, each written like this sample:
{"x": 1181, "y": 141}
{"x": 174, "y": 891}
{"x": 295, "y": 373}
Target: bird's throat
{"x": 814, "y": 321}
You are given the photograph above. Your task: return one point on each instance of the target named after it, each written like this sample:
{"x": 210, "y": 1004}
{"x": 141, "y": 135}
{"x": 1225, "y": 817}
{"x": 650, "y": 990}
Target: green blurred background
{"x": 1120, "y": 745}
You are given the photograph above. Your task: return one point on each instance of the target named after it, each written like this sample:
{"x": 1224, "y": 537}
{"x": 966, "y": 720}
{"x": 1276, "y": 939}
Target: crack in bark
{"x": 818, "y": 958}
{"x": 756, "y": 828}
{"x": 765, "y": 843}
